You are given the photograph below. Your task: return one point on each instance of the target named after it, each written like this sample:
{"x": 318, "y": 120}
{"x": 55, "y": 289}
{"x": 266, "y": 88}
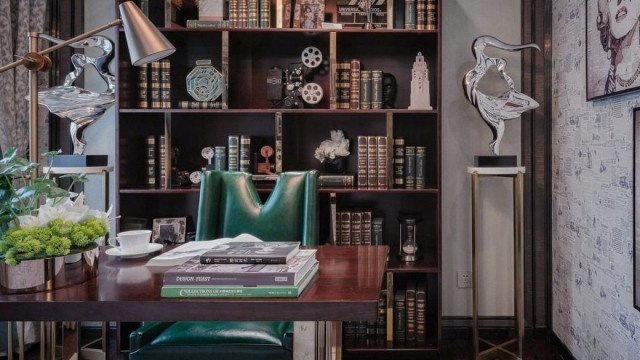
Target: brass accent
{"x": 495, "y": 350}
{"x": 389, "y": 306}
{"x": 34, "y": 155}
{"x": 390, "y": 170}
{"x": 389, "y": 14}
{"x": 9, "y": 340}
{"x": 333, "y": 56}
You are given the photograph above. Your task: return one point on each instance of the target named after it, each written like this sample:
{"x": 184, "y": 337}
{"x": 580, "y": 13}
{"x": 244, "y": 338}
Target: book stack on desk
{"x": 239, "y": 269}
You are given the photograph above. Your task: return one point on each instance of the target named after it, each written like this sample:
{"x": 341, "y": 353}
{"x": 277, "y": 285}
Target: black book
{"x": 333, "y": 180}
{"x": 377, "y": 231}
{"x": 421, "y": 167}
{"x": 150, "y": 143}
{"x": 366, "y": 227}
{"x": 356, "y": 228}
{"x": 421, "y": 308}
{"x": 399, "y": 316}
{"x": 220, "y": 158}
{"x": 245, "y": 153}
{"x": 398, "y": 163}
{"x": 234, "y": 151}
{"x": 372, "y": 161}
{"x": 345, "y": 228}
{"x": 382, "y": 313}
{"x": 410, "y": 308}
{"x": 410, "y": 167}
{"x": 273, "y": 252}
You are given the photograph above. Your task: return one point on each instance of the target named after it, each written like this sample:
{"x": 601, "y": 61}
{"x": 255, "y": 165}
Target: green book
{"x": 204, "y": 291}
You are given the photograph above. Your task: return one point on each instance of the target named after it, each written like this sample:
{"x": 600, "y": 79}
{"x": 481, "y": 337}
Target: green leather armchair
{"x": 229, "y": 205}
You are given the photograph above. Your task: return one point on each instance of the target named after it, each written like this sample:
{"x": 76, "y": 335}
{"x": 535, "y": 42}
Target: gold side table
{"x": 517, "y": 174}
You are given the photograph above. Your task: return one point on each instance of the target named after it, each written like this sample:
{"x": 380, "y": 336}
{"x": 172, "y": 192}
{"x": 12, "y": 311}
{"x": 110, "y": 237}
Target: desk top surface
{"x": 346, "y": 287}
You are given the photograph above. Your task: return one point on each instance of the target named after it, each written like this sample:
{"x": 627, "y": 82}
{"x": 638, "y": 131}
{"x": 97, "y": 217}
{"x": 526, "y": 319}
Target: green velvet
{"x": 230, "y": 205}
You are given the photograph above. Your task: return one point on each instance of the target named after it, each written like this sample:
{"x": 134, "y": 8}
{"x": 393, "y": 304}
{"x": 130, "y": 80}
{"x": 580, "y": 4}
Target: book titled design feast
{"x": 273, "y": 252}
{"x": 194, "y": 273}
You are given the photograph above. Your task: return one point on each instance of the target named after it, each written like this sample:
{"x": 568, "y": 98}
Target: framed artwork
{"x": 613, "y": 47}
{"x": 308, "y": 14}
{"x": 169, "y": 230}
{"x": 636, "y": 208}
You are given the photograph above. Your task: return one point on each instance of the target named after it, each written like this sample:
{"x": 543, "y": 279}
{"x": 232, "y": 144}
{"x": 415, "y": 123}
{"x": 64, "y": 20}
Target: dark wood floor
{"x": 455, "y": 347}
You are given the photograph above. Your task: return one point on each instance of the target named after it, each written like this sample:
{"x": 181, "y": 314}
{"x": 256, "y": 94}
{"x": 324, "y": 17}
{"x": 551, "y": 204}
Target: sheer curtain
{"x": 17, "y": 18}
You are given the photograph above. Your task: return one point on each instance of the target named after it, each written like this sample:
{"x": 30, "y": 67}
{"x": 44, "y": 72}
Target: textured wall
{"x": 593, "y": 310}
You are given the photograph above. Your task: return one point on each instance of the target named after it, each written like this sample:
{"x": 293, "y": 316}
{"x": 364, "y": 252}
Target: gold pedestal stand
{"x": 495, "y": 350}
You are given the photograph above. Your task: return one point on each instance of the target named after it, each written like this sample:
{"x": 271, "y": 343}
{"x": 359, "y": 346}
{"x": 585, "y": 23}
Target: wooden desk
{"x": 346, "y": 288}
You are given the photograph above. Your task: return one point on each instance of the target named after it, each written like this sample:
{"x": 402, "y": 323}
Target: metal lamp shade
{"x": 145, "y": 42}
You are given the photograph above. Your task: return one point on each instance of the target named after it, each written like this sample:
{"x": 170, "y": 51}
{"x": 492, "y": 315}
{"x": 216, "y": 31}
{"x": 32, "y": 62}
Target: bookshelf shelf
{"x": 244, "y": 56}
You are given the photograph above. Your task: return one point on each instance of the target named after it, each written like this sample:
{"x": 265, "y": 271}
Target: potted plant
{"x": 41, "y": 221}
{"x": 332, "y": 152}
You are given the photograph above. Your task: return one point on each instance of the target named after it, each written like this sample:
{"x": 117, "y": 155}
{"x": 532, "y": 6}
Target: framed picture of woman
{"x": 613, "y": 47}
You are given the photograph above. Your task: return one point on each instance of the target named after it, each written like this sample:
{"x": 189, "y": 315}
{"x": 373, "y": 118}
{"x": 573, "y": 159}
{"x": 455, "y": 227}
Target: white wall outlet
{"x": 465, "y": 280}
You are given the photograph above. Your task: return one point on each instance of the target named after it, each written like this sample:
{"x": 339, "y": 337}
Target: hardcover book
{"x": 191, "y": 291}
{"x": 245, "y": 153}
{"x": 151, "y": 161}
{"x": 421, "y": 14}
{"x": 365, "y": 89}
{"x": 162, "y": 160}
{"x": 410, "y": 308}
{"x": 421, "y": 306}
{"x": 399, "y": 316}
{"x": 383, "y": 179}
{"x": 156, "y": 85}
{"x": 377, "y": 231}
{"x": 376, "y": 89}
{"x": 143, "y": 86}
{"x": 265, "y": 13}
{"x": 363, "y": 173}
{"x": 165, "y": 84}
{"x": 409, "y": 14}
{"x": 354, "y": 89}
{"x": 372, "y": 161}
{"x": 253, "y": 14}
{"x": 398, "y": 163}
{"x": 343, "y": 84}
{"x": 421, "y": 167}
{"x": 220, "y": 158}
{"x": 273, "y": 252}
{"x": 410, "y": 167}
{"x": 233, "y": 13}
{"x": 193, "y": 272}
{"x": 346, "y": 180}
{"x": 345, "y": 228}
{"x": 356, "y": 228}
{"x": 234, "y": 152}
{"x": 432, "y": 15}
{"x": 366, "y": 227}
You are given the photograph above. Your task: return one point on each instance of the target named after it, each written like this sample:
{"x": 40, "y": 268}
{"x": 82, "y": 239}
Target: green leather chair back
{"x": 230, "y": 205}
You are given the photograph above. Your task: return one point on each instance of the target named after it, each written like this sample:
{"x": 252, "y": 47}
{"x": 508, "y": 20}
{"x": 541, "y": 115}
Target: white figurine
{"x": 420, "y": 96}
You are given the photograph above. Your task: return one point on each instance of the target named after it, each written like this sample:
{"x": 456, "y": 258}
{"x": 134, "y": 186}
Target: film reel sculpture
{"x": 81, "y": 106}
{"x": 288, "y": 88}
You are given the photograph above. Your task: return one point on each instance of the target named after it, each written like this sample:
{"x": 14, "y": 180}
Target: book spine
{"x": 233, "y": 13}
{"x": 354, "y": 89}
{"x": 336, "y": 180}
{"x": 410, "y": 308}
{"x": 421, "y": 306}
{"x": 350, "y": 329}
{"x": 252, "y": 19}
{"x": 409, "y": 14}
{"x": 410, "y": 167}
{"x": 220, "y": 158}
{"x": 376, "y": 89}
{"x": 143, "y": 86}
{"x": 165, "y": 84}
{"x": 125, "y": 85}
{"x": 245, "y": 153}
{"x": 207, "y": 259}
{"x": 399, "y": 316}
{"x": 265, "y": 13}
{"x": 372, "y": 161}
{"x": 365, "y": 89}
{"x": 382, "y": 313}
{"x": 233, "y": 145}
{"x": 278, "y": 150}
{"x": 383, "y": 178}
{"x": 432, "y": 15}
{"x": 398, "y": 163}
{"x": 356, "y": 228}
{"x": 421, "y": 167}
{"x": 377, "y": 231}
{"x": 156, "y": 100}
{"x": 227, "y": 279}
{"x": 333, "y": 216}
{"x": 361, "y": 329}
{"x": 345, "y": 228}
{"x": 338, "y": 227}
{"x": 190, "y": 104}
{"x": 162, "y": 160}
{"x": 366, "y": 227}
{"x": 362, "y": 161}
{"x": 215, "y": 24}
{"x": 151, "y": 160}
{"x": 343, "y": 84}
{"x": 220, "y": 292}
{"x": 243, "y": 13}
{"x": 421, "y": 14}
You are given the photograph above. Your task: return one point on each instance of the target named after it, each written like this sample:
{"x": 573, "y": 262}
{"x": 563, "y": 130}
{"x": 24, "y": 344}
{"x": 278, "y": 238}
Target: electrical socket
{"x": 465, "y": 279}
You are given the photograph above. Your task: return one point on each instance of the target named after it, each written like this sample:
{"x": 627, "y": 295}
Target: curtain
{"x": 17, "y": 18}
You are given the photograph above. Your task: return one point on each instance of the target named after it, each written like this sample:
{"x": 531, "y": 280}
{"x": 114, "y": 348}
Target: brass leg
{"x": 333, "y": 340}
{"x": 9, "y": 340}
{"x": 474, "y": 261}
{"x": 21, "y": 340}
{"x": 519, "y": 258}
{"x": 43, "y": 341}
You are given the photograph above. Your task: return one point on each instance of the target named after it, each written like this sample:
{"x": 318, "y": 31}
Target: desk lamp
{"x": 145, "y": 43}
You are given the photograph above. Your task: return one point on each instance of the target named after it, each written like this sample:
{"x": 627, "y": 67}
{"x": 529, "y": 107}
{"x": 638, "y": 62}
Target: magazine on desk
{"x": 193, "y": 272}
{"x": 271, "y": 252}
{"x": 182, "y": 253}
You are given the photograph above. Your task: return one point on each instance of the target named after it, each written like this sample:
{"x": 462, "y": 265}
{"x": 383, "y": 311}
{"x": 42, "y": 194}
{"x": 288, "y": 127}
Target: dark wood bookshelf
{"x": 243, "y": 56}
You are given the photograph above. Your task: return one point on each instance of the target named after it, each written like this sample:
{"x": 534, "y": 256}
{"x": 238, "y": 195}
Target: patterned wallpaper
{"x": 593, "y": 311}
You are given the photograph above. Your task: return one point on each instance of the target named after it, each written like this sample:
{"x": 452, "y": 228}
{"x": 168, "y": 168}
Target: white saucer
{"x": 153, "y": 247}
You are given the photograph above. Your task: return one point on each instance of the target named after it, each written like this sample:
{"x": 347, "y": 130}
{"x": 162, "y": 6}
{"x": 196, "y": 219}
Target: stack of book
{"x": 372, "y": 162}
{"x": 409, "y": 313}
{"x": 154, "y": 85}
{"x": 421, "y": 14}
{"x": 409, "y": 165}
{"x": 357, "y": 88}
{"x": 244, "y": 269}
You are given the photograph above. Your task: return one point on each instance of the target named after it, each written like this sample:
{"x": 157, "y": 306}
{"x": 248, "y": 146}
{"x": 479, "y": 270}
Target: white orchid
{"x": 68, "y": 210}
{"x": 337, "y": 146}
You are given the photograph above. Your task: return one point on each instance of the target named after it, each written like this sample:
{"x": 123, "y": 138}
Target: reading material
{"x": 272, "y": 252}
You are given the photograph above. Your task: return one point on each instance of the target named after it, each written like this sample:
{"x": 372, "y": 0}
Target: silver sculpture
{"x": 495, "y": 109}
{"x": 79, "y": 105}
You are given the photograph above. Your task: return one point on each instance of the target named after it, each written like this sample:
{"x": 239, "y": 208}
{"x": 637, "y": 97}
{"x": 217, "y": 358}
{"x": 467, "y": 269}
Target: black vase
{"x": 335, "y": 165}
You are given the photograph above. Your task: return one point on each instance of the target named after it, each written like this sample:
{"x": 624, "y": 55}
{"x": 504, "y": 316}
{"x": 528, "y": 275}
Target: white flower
{"x": 29, "y": 221}
{"x": 73, "y": 211}
{"x": 337, "y": 146}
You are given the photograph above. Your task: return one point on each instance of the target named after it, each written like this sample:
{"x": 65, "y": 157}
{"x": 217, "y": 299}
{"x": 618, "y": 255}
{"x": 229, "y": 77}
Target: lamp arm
{"x": 17, "y": 63}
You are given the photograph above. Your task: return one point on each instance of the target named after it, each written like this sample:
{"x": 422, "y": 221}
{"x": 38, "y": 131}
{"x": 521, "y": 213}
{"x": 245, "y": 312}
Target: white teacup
{"x": 132, "y": 242}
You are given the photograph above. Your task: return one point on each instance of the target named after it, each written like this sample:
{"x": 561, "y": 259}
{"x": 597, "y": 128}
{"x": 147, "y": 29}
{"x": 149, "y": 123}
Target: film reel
{"x": 311, "y": 93}
{"x": 311, "y": 57}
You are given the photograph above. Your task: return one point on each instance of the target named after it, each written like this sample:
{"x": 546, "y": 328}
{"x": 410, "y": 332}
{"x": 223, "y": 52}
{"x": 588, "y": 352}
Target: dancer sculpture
{"x": 495, "y": 109}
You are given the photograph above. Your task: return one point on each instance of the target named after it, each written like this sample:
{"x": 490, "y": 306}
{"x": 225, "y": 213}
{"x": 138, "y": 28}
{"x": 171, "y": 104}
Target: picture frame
{"x": 636, "y": 208}
{"x": 612, "y": 40}
{"x": 169, "y": 230}
{"x": 308, "y": 14}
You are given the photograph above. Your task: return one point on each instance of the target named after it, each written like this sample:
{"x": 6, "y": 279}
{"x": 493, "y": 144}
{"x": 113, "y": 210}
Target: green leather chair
{"x": 229, "y": 205}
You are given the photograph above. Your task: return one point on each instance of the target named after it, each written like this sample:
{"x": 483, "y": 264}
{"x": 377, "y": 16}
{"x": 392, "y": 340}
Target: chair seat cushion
{"x": 224, "y": 333}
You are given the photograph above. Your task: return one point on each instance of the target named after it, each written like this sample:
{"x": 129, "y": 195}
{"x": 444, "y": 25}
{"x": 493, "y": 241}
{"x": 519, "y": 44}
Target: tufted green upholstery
{"x": 229, "y": 205}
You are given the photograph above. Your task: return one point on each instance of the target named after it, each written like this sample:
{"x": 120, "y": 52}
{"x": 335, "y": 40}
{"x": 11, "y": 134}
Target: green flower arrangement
{"x": 38, "y": 219}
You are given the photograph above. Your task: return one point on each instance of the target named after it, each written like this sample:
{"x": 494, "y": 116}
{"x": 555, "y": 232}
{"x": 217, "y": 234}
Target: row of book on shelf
{"x": 357, "y": 88}
{"x": 358, "y": 227}
{"x": 239, "y": 269}
{"x": 409, "y": 165}
{"x": 421, "y": 14}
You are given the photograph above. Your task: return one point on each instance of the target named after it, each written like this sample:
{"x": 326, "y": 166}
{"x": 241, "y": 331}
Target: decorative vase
{"x": 335, "y": 166}
{"x": 50, "y": 273}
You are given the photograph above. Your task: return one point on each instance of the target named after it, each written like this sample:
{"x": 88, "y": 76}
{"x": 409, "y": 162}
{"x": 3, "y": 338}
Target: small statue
{"x": 495, "y": 109}
{"x": 420, "y": 94}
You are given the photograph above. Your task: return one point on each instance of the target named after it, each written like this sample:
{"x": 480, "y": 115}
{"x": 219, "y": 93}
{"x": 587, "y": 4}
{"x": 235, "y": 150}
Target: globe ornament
{"x": 204, "y": 82}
